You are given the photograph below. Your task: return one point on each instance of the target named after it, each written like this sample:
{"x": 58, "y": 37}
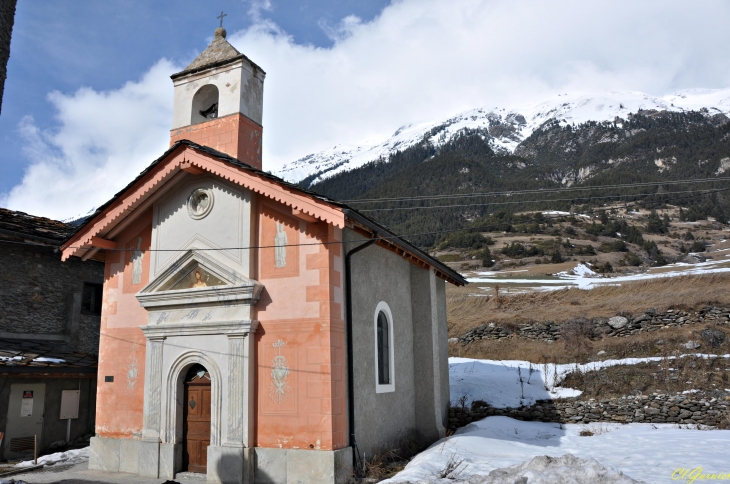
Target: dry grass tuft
{"x": 583, "y": 350}
{"x": 685, "y": 292}
{"x": 391, "y": 459}
{"x": 670, "y": 375}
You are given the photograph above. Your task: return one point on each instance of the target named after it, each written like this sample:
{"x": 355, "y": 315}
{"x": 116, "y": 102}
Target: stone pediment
{"x": 197, "y": 279}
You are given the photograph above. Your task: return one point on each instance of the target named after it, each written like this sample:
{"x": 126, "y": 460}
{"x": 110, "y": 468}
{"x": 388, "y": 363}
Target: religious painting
{"x": 279, "y": 239}
{"x": 194, "y": 277}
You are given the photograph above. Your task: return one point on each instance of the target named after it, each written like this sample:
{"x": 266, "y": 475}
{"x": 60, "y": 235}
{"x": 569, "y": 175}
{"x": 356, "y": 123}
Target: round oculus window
{"x": 200, "y": 203}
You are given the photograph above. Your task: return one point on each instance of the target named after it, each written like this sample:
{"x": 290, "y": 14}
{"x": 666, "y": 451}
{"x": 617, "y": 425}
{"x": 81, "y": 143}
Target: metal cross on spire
{"x": 221, "y": 17}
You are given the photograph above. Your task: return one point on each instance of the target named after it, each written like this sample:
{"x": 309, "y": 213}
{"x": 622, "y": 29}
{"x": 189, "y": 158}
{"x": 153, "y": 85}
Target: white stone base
{"x": 226, "y": 464}
{"x": 290, "y": 466}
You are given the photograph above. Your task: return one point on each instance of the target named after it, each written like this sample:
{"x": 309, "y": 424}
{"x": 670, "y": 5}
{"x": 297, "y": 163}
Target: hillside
{"x": 649, "y": 147}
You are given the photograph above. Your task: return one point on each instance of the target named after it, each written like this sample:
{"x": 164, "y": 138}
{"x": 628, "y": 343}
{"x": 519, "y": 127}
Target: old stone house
{"x": 252, "y": 330}
{"x": 49, "y": 336}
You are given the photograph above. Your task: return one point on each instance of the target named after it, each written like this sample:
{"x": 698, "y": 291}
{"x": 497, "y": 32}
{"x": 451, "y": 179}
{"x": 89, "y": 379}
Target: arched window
{"x": 205, "y": 104}
{"x": 384, "y": 357}
{"x": 383, "y": 349}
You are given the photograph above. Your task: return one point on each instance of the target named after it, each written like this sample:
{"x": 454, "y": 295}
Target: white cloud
{"x": 102, "y": 141}
{"x": 419, "y": 60}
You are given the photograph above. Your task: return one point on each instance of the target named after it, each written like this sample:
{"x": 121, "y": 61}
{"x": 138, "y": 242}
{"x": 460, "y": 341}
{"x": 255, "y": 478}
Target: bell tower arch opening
{"x": 205, "y": 104}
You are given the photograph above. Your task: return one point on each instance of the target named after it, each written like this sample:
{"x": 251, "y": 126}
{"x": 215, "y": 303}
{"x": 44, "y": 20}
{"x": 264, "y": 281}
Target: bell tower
{"x": 219, "y": 102}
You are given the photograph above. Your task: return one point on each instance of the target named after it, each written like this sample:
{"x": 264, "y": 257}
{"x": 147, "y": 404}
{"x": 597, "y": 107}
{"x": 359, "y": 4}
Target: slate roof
{"x": 40, "y": 229}
{"x": 353, "y": 214}
{"x": 219, "y": 52}
{"x": 27, "y": 355}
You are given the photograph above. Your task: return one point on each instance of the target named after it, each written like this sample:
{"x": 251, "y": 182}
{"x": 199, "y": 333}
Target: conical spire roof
{"x": 218, "y": 51}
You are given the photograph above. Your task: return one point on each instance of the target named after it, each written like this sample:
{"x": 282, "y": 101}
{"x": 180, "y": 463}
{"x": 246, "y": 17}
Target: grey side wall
{"x": 54, "y": 429}
{"x": 40, "y": 296}
{"x": 418, "y": 408}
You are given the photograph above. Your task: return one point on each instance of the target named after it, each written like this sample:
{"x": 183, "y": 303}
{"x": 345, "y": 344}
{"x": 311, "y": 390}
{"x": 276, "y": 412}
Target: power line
{"x": 548, "y": 190}
{"x": 511, "y": 202}
{"x": 484, "y": 228}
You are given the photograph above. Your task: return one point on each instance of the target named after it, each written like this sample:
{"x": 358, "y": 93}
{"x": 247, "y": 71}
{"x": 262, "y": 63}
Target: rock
{"x": 713, "y": 337}
{"x": 453, "y": 340}
{"x": 641, "y": 317}
{"x": 601, "y": 353}
{"x": 57, "y": 444}
{"x": 618, "y": 322}
{"x": 691, "y": 345}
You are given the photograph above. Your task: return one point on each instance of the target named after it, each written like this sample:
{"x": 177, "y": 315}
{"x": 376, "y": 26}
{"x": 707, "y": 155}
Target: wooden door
{"x": 197, "y": 421}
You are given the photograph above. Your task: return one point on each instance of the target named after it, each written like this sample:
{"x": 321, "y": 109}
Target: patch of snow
{"x": 567, "y": 469}
{"x": 43, "y": 359}
{"x": 648, "y": 452}
{"x": 497, "y": 382}
{"x": 74, "y": 456}
{"x": 566, "y": 279}
{"x": 582, "y": 270}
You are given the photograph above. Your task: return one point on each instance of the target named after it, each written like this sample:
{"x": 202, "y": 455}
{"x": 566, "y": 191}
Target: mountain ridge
{"x": 505, "y": 129}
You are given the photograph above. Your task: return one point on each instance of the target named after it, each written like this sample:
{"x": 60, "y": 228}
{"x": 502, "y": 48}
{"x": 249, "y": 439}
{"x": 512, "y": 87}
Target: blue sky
{"x": 88, "y": 99}
{"x": 64, "y": 45}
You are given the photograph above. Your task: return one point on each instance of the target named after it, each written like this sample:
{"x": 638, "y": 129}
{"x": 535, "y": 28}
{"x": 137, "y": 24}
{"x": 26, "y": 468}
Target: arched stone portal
{"x": 209, "y": 326}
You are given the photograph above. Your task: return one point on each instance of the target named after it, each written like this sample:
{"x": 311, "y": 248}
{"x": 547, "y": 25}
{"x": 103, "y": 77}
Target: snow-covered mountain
{"x": 505, "y": 128}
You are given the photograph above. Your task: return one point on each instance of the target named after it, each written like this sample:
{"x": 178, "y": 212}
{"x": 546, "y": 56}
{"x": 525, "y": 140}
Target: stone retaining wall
{"x": 656, "y": 408}
{"x": 617, "y": 326}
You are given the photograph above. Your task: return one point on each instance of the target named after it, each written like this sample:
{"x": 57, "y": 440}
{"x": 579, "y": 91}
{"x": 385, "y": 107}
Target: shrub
{"x": 632, "y": 259}
{"x": 486, "y": 256}
{"x": 698, "y": 246}
{"x": 575, "y": 332}
{"x": 557, "y": 257}
{"x": 466, "y": 240}
{"x": 618, "y": 246}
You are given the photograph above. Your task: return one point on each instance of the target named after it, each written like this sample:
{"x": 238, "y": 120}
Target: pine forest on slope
{"x": 647, "y": 146}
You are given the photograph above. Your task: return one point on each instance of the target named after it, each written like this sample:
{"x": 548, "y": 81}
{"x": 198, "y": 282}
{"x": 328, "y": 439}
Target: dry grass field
{"x": 682, "y": 292}
{"x": 686, "y": 292}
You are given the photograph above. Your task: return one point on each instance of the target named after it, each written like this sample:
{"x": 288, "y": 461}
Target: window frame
{"x": 96, "y": 294}
{"x": 388, "y": 387}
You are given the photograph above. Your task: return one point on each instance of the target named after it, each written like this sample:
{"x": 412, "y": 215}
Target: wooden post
{"x": 35, "y": 449}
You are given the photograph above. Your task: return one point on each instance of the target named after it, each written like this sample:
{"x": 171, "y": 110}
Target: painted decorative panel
{"x": 279, "y": 239}
{"x": 278, "y": 378}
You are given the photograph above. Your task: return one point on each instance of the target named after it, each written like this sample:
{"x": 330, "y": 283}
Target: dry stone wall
{"x": 617, "y": 326}
{"x": 689, "y": 409}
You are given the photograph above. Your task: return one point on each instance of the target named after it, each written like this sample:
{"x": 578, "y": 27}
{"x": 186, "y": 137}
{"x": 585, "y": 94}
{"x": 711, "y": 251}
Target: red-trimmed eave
{"x": 188, "y": 158}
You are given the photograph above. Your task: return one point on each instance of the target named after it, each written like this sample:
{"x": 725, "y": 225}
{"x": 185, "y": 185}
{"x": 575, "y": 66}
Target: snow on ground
{"x": 646, "y": 452}
{"x": 41, "y": 359}
{"x": 567, "y": 469}
{"x": 73, "y": 456}
{"x": 584, "y": 278}
{"x": 497, "y": 382}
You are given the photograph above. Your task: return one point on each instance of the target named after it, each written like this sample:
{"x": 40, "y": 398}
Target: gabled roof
{"x": 298, "y": 198}
{"x": 38, "y": 229}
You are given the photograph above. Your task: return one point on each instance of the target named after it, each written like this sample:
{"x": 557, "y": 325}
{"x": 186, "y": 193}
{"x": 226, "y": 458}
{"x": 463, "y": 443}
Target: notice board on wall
{"x": 69, "y": 404}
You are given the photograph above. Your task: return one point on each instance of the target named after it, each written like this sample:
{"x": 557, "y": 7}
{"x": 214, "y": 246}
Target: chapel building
{"x": 252, "y": 330}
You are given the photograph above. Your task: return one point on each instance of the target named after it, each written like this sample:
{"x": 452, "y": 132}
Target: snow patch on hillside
{"x": 505, "y": 128}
